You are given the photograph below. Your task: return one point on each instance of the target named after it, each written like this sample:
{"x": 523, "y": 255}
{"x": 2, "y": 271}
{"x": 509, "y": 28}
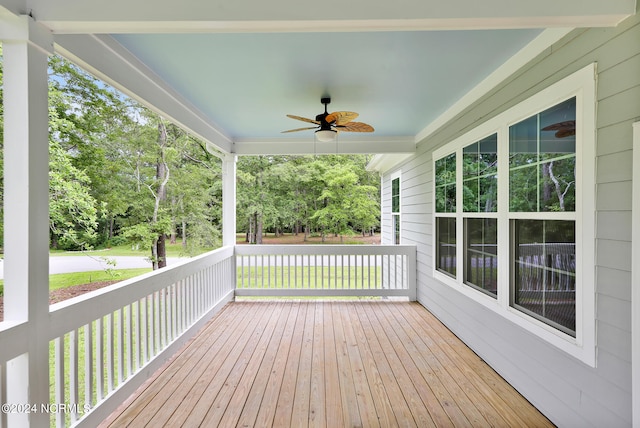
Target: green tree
{"x": 346, "y": 202}
{"x": 331, "y": 194}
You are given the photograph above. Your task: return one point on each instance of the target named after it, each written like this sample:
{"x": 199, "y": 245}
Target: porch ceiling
{"x": 231, "y": 71}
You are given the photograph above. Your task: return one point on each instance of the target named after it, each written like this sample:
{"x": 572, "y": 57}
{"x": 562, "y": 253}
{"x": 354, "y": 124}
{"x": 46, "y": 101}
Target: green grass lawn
{"x": 62, "y": 280}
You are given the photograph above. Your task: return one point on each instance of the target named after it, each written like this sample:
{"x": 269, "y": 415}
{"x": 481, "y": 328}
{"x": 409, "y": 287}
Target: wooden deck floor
{"x": 333, "y": 364}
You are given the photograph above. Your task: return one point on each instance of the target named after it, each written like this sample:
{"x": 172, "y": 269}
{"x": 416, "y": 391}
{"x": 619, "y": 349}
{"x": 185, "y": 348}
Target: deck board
{"x": 311, "y": 363}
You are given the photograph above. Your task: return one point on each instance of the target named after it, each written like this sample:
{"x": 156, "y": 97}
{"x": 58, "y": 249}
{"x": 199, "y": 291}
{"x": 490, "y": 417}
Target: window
{"x": 445, "y": 223}
{"x": 518, "y": 191}
{"x": 542, "y": 178}
{"x": 395, "y": 209}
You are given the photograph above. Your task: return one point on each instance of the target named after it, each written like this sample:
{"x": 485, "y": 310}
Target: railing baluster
{"x": 190, "y": 301}
{"x": 388, "y": 257}
{"x": 88, "y": 364}
{"x": 404, "y": 271}
{"x": 144, "y": 309}
{"x": 342, "y": 271}
{"x": 74, "y": 398}
{"x": 59, "y": 377}
{"x": 151, "y": 325}
{"x": 179, "y": 306}
{"x": 375, "y": 272}
{"x": 120, "y": 342}
{"x": 163, "y": 317}
{"x": 129, "y": 339}
{"x": 110, "y": 353}
{"x": 99, "y": 359}
{"x": 174, "y": 331}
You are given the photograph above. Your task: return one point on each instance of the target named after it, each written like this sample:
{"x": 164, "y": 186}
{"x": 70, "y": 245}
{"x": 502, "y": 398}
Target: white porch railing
{"x": 103, "y": 345}
{"x": 326, "y": 270}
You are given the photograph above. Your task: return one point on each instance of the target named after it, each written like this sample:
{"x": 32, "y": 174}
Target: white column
{"x": 229, "y": 200}
{"x": 26, "y": 46}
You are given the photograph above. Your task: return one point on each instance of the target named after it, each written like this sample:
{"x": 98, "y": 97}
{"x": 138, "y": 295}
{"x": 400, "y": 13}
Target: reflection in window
{"x": 480, "y": 179}
{"x": 542, "y": 160}
{"x": 396, "y": 229}
{"x": 446, "y": 245}
{"x": 481, "y": 254}
{"x": 446, "y": 184}
{"x": 544, "y": 271}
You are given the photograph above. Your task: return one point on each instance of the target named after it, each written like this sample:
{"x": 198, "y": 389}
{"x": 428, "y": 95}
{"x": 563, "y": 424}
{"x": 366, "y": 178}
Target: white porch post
{"x": 26, "y": 46}
{"x": 229, "y": 200}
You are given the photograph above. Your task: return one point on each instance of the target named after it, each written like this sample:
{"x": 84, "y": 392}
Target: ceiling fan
{"x": 329, "y": 124}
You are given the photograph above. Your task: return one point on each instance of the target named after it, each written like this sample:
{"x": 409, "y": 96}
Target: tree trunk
{"x": 258, "y": 229}
{"x": 162, "y": 251}
{"x": 162, "y": 175}
{"x": 184, "y": 234}
{"x": 174, "y": 232}
{"x": 111, "y": 223}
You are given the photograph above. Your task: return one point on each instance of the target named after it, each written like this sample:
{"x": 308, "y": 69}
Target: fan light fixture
{"x": 326, "y": 135}
{"x": 328, "y": 125}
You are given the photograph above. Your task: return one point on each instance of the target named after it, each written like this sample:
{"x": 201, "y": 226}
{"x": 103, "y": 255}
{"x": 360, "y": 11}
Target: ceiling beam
{"x": 107, "y": 60}
{"x": 98, "y": 16}
{"x": 307, "y": 146}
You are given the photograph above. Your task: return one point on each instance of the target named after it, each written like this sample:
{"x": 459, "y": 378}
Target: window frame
{"x": 582, "y": 86}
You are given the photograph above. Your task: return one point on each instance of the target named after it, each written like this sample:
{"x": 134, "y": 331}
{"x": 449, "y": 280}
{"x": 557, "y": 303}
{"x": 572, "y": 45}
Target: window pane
{"x": 542, "y": 153}
{"x": 481, "y": 254}
{"x": 544, "y": 277}
{"x": 480, "y": 167}
{"x": 446, "y": 245}
{"x": 396, "y": 229}
{"x": 395, "y": 195}
{"x": 446, "y": 184}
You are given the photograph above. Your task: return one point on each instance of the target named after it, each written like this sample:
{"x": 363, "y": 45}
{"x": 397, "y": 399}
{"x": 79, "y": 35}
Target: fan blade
{"x": 565, "y": 129}
{"x": 304, "y": 119}
{"x": 341, "y": 117}
{"x": 355, "y": 127}
{"x": 299, "y": 129}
